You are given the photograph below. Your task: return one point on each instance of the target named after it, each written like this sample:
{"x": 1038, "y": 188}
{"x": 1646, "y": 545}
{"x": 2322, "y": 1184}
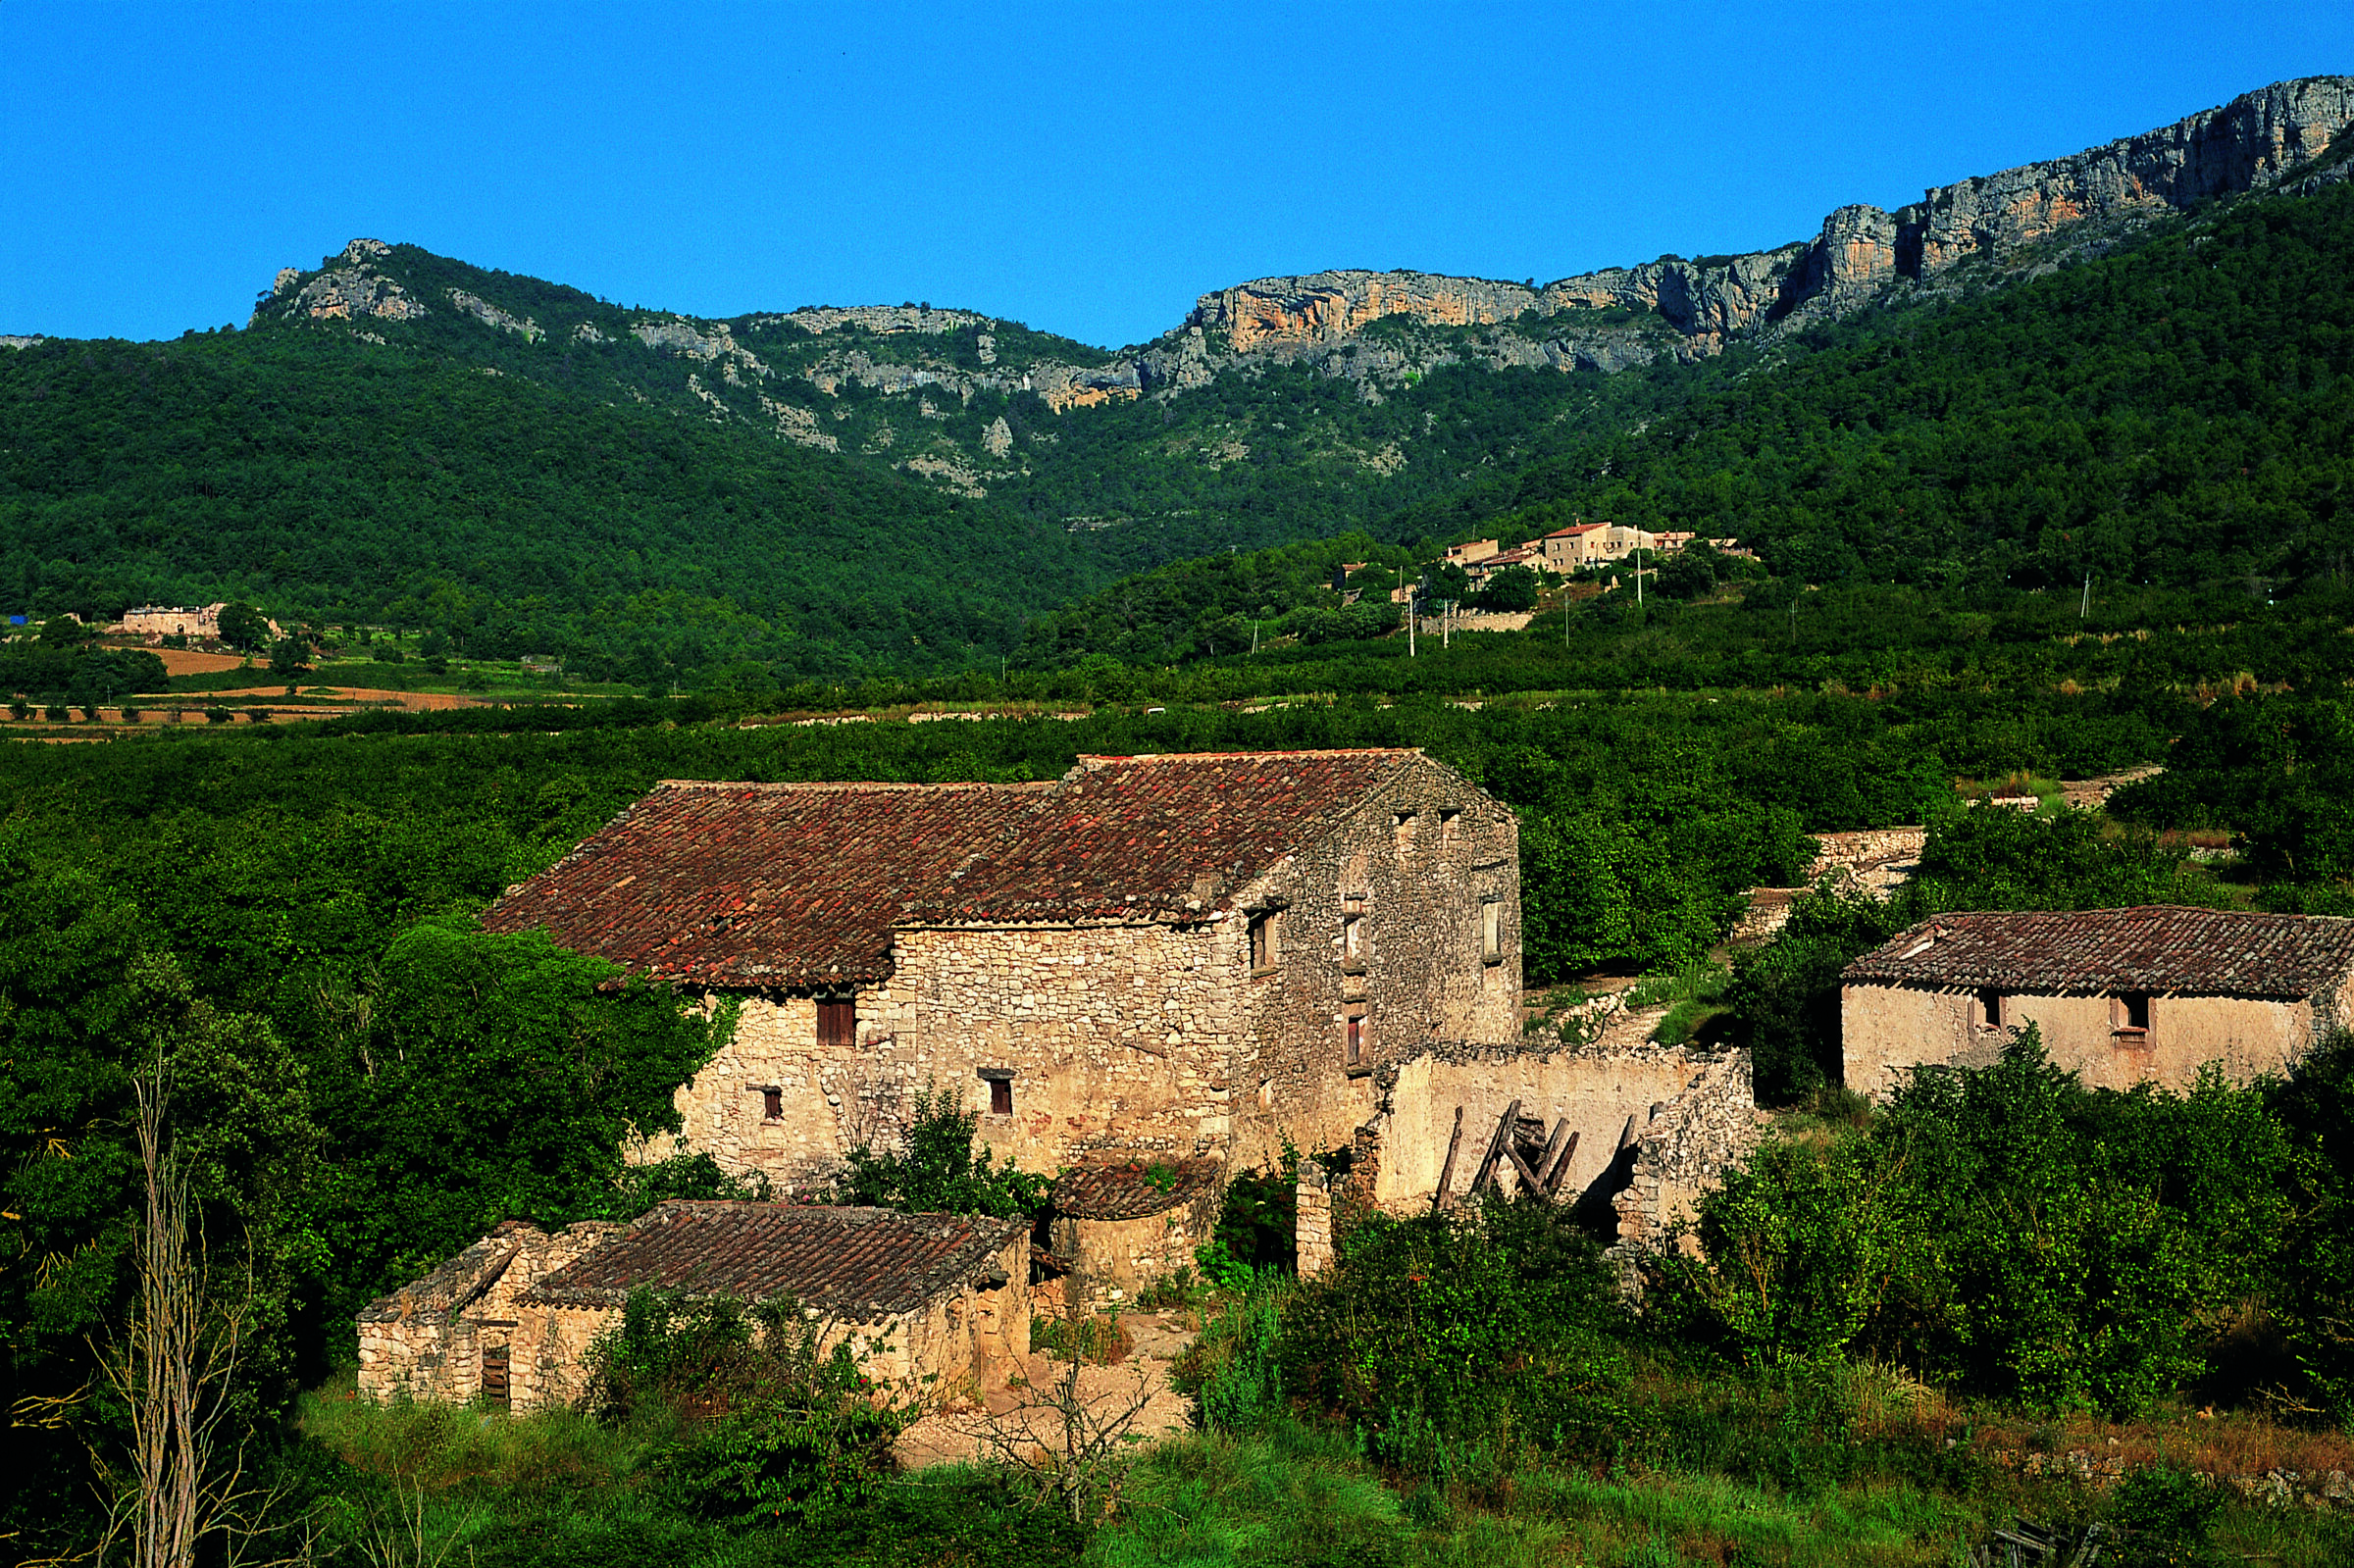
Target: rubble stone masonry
{"x": 1155, "y": 1036}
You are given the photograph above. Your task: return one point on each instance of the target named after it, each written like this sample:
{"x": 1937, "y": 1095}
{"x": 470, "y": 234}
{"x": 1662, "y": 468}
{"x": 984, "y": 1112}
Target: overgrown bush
{"x": 2005, "y": 1229}
{"x": 1442, "y": 1337}
{"x": 771, "y": 1427}
{"x": 935, "y": 1170}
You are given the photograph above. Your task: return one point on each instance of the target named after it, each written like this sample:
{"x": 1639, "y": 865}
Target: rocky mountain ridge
{"x": 935, "y": 392}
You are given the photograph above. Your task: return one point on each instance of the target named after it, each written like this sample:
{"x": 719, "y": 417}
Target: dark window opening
{"x": 837, "y": 1022}
{"x": 772, "y": 1104}
{"x": 2135, "y": 1008}
{"x": 1448, "y": 822}
{"x": 1266, "y": 941}
{"x": 1990, "y": 1007}
{"x": 1001, "y": 1089}
{"x": 1403, "y": 821}
{"x": 1353, "y": 1038}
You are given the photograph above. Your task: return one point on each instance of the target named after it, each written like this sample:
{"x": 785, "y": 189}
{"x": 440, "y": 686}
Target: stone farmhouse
{"x": 917, "y": 1296}
{"x": 1141, "y": 977}
{"x": 1149, "y": 958}
{"x": 2121, "y": 997}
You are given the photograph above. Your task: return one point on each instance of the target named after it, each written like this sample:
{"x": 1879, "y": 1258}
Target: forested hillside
{"x": 400, "y": 438}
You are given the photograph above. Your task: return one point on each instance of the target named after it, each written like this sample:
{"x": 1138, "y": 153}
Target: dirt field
{"x": 187, "y": 661}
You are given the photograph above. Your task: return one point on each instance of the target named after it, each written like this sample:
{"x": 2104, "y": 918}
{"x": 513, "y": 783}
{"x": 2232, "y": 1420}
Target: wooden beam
{"x": 1504, "y": 1135}
{"x": 1438, "y": 1199}
{"x": 1528, "y": 1178}
{"x": 1561, "y": 1167}
{"x": 1553, "y": 1150}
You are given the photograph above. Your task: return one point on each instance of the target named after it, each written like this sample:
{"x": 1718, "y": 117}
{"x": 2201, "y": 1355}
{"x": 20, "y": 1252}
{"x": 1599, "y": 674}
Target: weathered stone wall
{"x": 1152, "y": 1038}
{"x": 1886, "y": 1031}
{"x": 1420, "y": 974}
{"x": 1604, "y": 1094}
{"x": 1312, "y": 1231}
{"x": 425, "y": 1340}
{"x": 1684, "y": 1150}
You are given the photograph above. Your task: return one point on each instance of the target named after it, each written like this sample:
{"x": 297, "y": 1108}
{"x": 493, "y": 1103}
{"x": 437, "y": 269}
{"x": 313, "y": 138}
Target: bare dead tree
{"x": 174, "y": 1368}
{"x": 1074, "y": 1445}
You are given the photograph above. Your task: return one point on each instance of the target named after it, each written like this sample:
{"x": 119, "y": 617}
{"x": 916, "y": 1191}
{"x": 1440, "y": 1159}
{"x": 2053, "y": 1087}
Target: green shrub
{"x": 935, "y": 1170}
{"x": 58, "y": 713}
{"x": 772, "y": 1428}
{"x": 2005, "y": 1227}
{"x": 217, "y": 716}
{"x": 1430, "y": 1333}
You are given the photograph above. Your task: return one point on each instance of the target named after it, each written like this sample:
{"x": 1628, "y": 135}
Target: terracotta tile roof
{"x": 1133, "y": 1190}
{"x": 2152, "y": 947}
{"x": 850, "y": 1262}
{"x": 799, "y": 885}
{"x": 1158, "y": 837}
{"x": 761, "y": 884}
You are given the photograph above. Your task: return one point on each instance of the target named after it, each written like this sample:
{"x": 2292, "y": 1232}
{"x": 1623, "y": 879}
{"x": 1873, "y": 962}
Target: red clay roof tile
{"x": 799, "y": 885}
{"x": 861, "y": 1263}
{"x": 760, "y": 884}
{"x": 1158, "y": 838}
{"x": 1135, "y": 1190}
{"x": 2150, "y": 947}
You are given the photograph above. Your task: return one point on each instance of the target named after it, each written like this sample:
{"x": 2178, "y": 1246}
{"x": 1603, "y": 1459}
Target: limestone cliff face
{"x": 2246, "y": 144}
{"x": 1860, "y": 251}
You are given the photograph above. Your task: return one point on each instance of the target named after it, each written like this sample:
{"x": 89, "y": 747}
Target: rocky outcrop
{"x": 490, "y": 314}
{"x": 2247, "y": 144}
{"x": 354, "y": 290}
{"x": 882, "y": 320}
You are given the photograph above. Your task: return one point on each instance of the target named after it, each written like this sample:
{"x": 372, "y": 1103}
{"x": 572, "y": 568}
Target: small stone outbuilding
{"x": 2121, "y": 996}
{"x": 1116, "y": 1229}
{"x": 919, "y": 1297}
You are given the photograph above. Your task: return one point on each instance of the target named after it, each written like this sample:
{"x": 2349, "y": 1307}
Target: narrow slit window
{"x": 1266, "y": 939}
{"x": 772, "y": 1105}
{"x": 837, "y": 1022}
{"x": 1491, "y": 930}
{"x": 1353, "y": 1038}
{"x": 1403, "y": 823}
{"x": 2134, "y": 1011}
{"x": 1450, "y": 823}
{"x": 1353, "y": 938}
{"x": 1990, "y": 1007}
{"x": 1001, "y": 1089}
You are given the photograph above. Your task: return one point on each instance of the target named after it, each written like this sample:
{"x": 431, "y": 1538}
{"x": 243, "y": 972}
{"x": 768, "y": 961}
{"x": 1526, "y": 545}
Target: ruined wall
{"x": 1683, "y": 1152}
{"x": 1313, "y": 1230}
{"x": 1403, "y": 1149}
{"x": 1113, "y": 1260}
{"x": 1885, "y": 1031}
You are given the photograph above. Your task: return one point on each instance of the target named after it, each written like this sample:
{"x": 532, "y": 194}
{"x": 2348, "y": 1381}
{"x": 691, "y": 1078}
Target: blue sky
{"x": 1085, "y": 169}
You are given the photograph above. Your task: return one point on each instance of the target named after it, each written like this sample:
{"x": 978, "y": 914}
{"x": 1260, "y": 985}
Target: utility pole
{"x": 1413, "y": 612}
{"x": 2084, "y": 608}
{"x": 1638, "y": 577}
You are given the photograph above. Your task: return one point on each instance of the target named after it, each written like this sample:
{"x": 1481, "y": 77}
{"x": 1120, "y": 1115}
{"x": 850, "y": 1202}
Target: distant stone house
{"x": 1580, "y": 544}
{"x": 2121, "y": 997}
{"x": 1150, "y": 958}
{"x": 509, "y": 1321}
